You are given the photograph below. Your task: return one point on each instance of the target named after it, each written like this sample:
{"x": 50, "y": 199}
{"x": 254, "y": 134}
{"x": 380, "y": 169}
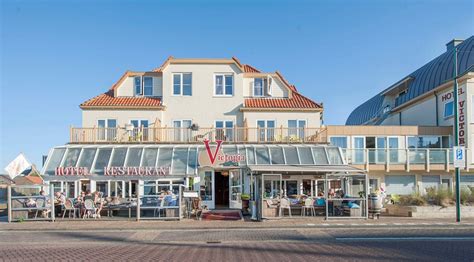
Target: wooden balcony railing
{"x": 187, "y": 135}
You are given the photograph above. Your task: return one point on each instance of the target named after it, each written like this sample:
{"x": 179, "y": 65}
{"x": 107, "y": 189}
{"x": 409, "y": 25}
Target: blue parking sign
{"x": 459, "y": 156}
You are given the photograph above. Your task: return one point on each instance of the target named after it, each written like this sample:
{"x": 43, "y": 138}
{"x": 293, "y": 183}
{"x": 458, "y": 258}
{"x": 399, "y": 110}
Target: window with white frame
{"x": 182, "y": 84}
{"x": 339, "y": 141}
{"x": 143, "y": 86}
{"x": 266, "y": 130}
{"x": 182, "y": 130}
{"x": 138, "y": 85}
{"x": 449, "y": 109}
{"x": 225, "y": 130}
{"x": 224, "y": 85}
{"x": 140, "y": 130}
{"x": 262, "y": 87}
{"x": 296, "y": 128}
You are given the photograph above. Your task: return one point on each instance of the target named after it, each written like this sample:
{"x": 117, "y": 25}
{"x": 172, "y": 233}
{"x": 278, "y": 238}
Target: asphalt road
{"x": 450, "y": 243}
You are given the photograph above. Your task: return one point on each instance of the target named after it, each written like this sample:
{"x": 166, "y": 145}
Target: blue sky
{"x": 57, "y": 54}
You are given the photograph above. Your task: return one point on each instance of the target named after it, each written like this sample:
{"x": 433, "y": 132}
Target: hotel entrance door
{"x": 222, "y": 189}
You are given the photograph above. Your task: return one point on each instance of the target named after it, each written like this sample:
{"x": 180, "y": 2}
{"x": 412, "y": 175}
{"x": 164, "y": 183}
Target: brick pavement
{"x": 262, "y": 244}
{"x": 92, "y": 224}
{"x": 231, "y": 252}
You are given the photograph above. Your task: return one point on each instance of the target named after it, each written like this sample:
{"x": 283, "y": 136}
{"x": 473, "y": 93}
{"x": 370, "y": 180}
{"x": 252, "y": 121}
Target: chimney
{"x": 453, "y": 43}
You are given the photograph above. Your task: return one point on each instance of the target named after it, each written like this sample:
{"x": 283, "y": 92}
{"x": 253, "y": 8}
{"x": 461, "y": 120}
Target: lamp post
{"x": 457, "y": 171}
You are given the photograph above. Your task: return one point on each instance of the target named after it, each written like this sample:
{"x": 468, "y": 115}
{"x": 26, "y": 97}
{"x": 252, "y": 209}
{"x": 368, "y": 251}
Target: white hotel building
{"x": 160, "y": 118}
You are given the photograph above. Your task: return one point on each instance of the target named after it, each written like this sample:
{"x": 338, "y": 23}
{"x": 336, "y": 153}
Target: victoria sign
{"x": 215, "y": 156}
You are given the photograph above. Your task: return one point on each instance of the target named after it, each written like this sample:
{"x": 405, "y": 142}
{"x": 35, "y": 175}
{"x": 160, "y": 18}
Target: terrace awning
{"x": 305, "y": 168}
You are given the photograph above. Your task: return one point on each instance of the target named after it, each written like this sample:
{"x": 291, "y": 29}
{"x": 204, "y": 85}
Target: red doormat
{"x": 221, "y": 215}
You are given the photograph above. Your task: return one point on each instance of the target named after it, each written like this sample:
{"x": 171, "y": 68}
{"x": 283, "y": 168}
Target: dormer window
{"x": 138, "y": 86}
{"x": 262, "y": 87}
{"x": 143, "y": 86}
{"x": 148, "y": 86}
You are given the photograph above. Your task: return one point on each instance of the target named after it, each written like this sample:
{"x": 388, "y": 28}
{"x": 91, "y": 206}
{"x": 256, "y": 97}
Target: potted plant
{"x": 245, "y": 201}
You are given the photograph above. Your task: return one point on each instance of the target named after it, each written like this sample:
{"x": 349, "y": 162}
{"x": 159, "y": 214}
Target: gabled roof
{"x": 108, "y": 100}
{"x": 297, "y": 101}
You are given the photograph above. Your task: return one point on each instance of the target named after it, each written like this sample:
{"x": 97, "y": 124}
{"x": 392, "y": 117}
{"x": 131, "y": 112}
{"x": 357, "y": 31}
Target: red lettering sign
{"x": 224, "y": 157}
{"x": 71, "y": 171}
{"x": 212, "y": 157}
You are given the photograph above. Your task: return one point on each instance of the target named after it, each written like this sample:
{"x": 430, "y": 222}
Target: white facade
{"x": 203, "y": 107}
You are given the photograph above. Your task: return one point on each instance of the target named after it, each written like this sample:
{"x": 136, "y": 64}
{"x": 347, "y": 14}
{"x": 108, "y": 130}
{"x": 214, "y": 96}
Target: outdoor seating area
{"x": 333, "y": 195}
{"x": 34, "y": 203}
{"x": 290, "y": 207}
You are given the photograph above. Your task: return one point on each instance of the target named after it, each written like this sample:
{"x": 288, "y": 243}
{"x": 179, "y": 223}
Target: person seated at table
{"x": 169, "y": 198}
{"x": 88, "y": 195}
{"x": 59, "y": 200}
{"x": 331, "y": 193}
{"x": 99, "y": 203}
{"x": 47, "y": 203}
{"x": 340, "y": 194}
{"x": 80, "y": 203}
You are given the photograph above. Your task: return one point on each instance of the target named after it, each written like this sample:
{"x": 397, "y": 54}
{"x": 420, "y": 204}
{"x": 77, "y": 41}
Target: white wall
{"x": 203, "y": 107}
{"x": 90, "y": 117}
{"x": 421, "y": 114}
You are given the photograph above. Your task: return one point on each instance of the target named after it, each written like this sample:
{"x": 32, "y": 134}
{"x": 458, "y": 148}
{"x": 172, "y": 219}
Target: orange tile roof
{"x": 250, "y": 69}
{"x": 297, "y": 101}
{"x": 108, "y": 100}
{"x": 35, "y": 179}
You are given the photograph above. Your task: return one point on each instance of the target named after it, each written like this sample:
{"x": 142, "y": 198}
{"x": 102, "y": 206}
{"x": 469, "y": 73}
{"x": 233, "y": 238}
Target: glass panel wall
{"x": 291, "y": 155}
{"x": 54, "y": 160}
{"x": 87, "y": 157}
{"x": 71, "y": 157}
{"x": 319, "y": 156}
{"x": 134, "y": 157}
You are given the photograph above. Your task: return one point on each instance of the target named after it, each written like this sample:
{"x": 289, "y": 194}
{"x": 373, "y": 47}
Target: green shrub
{"x": 413, "y": 200}
{"x": 465, "y": 195}
{"x": 443, "y": 197}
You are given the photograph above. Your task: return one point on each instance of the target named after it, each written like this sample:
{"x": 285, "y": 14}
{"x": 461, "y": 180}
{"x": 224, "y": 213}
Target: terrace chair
{"x": 40, "y": 207}
{"x": 160, "y": 206}
{"x": 90, "y": 209}
{"x": 285, "y": 204}
{"x": 69, "y": 206}
{"x": 270, "y": 209}
{"x": 198, "y": 208}
{"x": 308, "y": 204}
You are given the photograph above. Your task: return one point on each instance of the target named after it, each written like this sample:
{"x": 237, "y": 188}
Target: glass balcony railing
{"x": 431, "y": 156}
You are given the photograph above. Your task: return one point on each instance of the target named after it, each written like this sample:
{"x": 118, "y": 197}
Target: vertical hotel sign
{"x": 447, "y": 97}
{"x": 462, "y": 116}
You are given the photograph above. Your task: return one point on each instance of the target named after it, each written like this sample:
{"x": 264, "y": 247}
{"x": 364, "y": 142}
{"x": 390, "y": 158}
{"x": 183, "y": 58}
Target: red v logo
{"x": 212, "y": 156}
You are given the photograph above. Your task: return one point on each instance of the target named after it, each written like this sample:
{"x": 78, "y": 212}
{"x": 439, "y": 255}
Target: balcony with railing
{"x": 144, "y": 135}
{"x": 400, "y": 159}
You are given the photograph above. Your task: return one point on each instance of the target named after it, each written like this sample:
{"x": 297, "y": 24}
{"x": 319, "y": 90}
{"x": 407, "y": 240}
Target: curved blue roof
{"x": 425, "y": 79}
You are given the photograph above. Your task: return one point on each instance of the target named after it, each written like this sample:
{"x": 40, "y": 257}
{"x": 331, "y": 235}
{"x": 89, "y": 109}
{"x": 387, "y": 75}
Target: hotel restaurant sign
{"x": 213, "y": 156}
{"x": 114, "y": 171}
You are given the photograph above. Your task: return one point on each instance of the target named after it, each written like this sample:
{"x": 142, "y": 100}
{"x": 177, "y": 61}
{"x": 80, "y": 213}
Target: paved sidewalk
{"x": 102, "y": 224}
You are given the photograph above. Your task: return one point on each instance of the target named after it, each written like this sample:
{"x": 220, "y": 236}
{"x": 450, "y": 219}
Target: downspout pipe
{"x": 436, "y": 108}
